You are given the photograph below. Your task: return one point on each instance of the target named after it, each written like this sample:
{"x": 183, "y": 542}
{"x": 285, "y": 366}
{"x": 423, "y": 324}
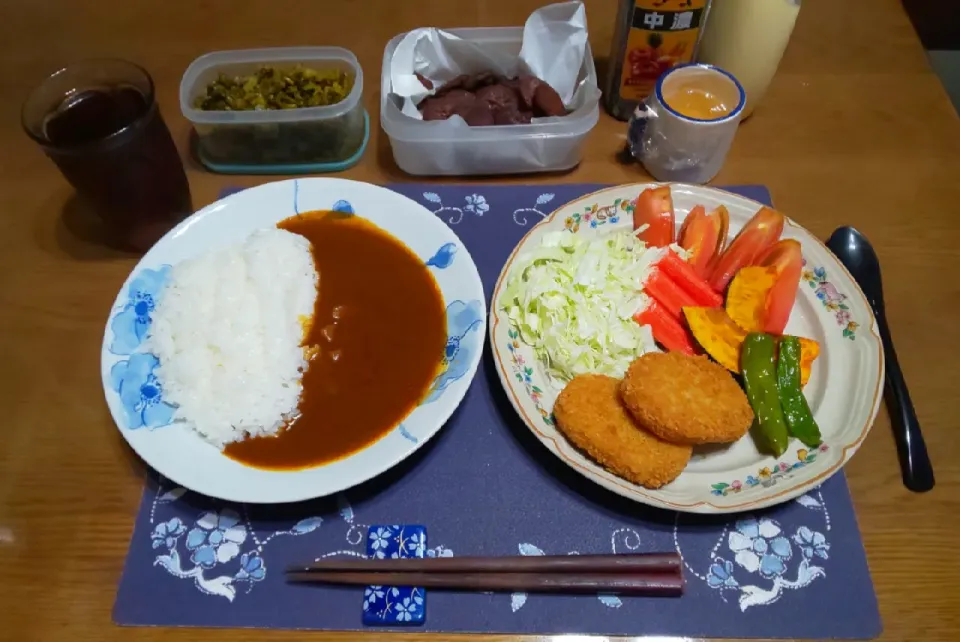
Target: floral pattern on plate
{"x": 464, "y": 340}
{"x": 596, "y": 215}
{"x": 131, "y": 324}
{"x": 134, "y": 379}
{"x": 767, "y": 476}
{"x": 524, "y": 375}
{"x": 832, "y": 300}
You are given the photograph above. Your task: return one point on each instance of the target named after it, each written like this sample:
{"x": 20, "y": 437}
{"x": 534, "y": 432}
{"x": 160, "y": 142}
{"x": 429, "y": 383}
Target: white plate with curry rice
{"x": 293, "y": 340}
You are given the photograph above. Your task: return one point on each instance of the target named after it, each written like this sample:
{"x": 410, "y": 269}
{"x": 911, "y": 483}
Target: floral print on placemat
{"x": 755, "y": 557}
{"x": 475, "y": 204}
{"x": 223, "y": 549}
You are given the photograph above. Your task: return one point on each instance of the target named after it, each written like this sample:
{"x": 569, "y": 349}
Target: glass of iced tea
{"x": 684, "y": 129}
{"x": 98, "y": 120}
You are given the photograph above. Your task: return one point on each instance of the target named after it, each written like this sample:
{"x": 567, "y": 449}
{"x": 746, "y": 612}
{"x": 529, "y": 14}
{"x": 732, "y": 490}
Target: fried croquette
{"x": 589, "y": 412}
{"x": 685, "y": 399}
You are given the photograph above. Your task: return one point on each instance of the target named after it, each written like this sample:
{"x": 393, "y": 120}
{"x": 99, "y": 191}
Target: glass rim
{"x": 741, "y": 103}
{"x": 106, "y": 140}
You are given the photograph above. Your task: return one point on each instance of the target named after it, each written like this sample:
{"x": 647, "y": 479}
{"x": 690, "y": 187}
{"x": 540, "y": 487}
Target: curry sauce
{"x": 379, "y": 331}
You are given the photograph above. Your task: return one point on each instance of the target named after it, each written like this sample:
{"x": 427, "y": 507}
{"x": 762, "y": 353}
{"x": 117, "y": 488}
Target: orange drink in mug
{"x": 684, "y": 129}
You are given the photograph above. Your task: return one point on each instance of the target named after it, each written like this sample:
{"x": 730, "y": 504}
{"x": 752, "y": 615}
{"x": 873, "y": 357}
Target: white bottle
{"x": 748, "y": 38}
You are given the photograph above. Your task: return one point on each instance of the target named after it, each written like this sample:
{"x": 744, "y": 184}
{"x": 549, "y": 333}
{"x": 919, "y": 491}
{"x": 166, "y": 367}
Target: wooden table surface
{"x": 856, "y": 129}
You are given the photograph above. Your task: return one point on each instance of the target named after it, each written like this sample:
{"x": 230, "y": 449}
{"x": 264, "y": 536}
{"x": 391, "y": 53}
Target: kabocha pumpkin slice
{"x": 716, "y": 332}
{"x": 747, "y": 296}
{"x": 722, "y": 339}
{"x": 809, "y": 351}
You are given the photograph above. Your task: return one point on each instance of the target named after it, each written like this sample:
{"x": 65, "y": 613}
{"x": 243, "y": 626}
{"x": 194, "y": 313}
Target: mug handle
{"x": 637, "y": 125}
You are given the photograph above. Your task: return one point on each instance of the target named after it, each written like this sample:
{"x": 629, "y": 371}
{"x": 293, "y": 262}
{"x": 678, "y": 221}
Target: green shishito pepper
{"x": 797, "y": 413}
{"x": 758, "y": 364}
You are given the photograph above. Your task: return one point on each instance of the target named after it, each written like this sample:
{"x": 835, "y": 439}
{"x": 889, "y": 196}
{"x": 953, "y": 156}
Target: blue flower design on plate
{"x": 444, "y": 256}
{"x": 406, "y": 434}
{"x": 760, "y": 546}
{"x": 166, "y": 533}
{"x": 720, "y": 574}
{"x": 216, "y": 538}
{"x": 251, "y": 567}
{"x": 131, "y": 324}
{"x": 141, "y": 395}
{"x": 343, "y": 206}
{"x": 464, "y": 321}
{"x": 811, "y": 543}
{"x": 477, "y": 204}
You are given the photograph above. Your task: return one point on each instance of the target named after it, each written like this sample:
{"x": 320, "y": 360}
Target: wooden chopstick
{"x": 648, "y": 584}
{"x": 631, "y": 563}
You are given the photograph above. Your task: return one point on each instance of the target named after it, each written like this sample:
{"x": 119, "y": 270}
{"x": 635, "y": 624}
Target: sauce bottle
{"x": 651, "y": 36}
{"x": 748, "y": 38}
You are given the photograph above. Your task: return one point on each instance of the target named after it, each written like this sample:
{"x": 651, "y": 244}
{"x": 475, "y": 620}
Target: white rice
{"x": 228, "y": 331}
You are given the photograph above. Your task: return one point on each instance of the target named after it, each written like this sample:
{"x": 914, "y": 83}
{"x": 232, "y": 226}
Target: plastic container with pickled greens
{"x": 421, "y": 148}
{"x": 299, "y": 140}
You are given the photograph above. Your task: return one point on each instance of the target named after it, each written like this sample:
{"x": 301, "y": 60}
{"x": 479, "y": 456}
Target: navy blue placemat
{"x": 485, "y": 486}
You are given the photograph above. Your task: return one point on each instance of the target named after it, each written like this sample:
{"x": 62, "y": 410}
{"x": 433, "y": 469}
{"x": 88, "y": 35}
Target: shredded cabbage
{"x": 573, "y": 300}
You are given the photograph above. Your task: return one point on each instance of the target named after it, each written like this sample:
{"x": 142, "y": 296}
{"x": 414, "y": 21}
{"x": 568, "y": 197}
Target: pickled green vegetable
{"x": 273, "y": 88}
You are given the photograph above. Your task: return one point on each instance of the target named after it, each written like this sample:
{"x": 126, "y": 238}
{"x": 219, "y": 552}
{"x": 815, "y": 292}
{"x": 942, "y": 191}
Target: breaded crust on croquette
{"x": 685, "y": 399}
{"x": 590, "y": 414}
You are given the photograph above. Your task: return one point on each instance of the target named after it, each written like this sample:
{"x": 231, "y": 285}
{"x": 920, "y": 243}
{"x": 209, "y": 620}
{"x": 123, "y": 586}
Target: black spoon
{"x": 856, "y": 253}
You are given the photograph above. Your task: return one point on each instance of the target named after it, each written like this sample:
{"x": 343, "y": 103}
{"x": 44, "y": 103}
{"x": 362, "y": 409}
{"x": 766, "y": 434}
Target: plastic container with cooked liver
{"x": 421, "y": 148}
{"x": 269, "y": 141}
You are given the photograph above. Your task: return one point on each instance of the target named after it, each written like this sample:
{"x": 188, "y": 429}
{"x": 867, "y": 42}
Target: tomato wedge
{"x": 785, "y": 257}
{"x": 666, "y": 328}
{"x": 704, "y": 236}
{"x": 654, "y": 209}
{"x": 756, "y": 237}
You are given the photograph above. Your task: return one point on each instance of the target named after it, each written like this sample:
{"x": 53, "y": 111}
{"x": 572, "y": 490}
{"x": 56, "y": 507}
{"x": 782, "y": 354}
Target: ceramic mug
{"x": 676, "y": 147}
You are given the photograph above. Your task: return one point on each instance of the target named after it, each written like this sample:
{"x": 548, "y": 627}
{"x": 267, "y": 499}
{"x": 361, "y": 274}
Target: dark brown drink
{"x": 99, "y": 122}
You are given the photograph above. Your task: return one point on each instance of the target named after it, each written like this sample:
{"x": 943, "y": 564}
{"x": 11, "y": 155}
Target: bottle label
{"x": 663, "y": 33}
